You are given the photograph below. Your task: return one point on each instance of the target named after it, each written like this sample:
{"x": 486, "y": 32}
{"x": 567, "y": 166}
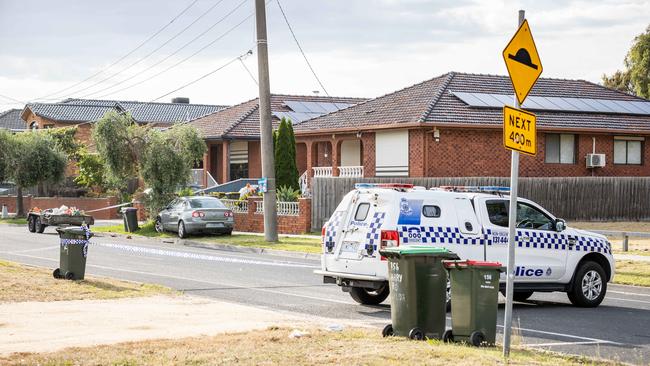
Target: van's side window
{"x": 431, "y": 211}
{"x": 498, "y": 212}
{"x": 362, "y": 212}
{"x": 528, "y": 217}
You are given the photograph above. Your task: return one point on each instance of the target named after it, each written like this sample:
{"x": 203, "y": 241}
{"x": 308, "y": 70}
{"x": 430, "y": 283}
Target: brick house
{"x": 10, "y": 120}
{"x": 451, "y": 126}
{"x": 233, "y": 134}
{"x": 77, "y": 112}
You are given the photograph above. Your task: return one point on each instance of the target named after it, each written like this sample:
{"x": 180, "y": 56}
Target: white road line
{"x": 565, "y": 335}
{"x": 627, "y": 293}
{"x": 630, "y": 300}
{"x": 561, "y": 344}
{"x": 30, "y": 250}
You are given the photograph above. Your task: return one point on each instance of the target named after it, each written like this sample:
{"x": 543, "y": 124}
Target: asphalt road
{"x": 619, "y": 329}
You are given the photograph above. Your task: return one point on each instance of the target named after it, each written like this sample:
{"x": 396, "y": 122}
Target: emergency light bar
{"x": 383, "y": 185}
{"x": 476, "y": 189}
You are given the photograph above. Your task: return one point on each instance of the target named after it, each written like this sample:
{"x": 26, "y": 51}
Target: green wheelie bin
{"x": 73, "y": 253}
{"x": 474, "y": 301}
{"x": 418, "y": 291}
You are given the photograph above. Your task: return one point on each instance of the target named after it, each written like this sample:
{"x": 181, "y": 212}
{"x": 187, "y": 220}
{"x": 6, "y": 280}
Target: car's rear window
{"x": 206, "y": 203}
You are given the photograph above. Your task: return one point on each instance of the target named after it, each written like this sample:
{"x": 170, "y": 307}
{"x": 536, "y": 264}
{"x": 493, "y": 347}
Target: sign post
{"x": 519, "y": 135}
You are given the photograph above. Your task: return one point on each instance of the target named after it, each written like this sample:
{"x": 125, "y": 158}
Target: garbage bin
{"x": 73, "y": 253}
{"x": 474, "y": 301}
{"x": 130, "y": 215}
{"x": 418, "y": 291}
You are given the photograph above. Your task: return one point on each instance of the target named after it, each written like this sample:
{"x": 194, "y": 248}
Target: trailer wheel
{"x": 367, "y": 296}
{"x": 38, "y": 225}
{"x": 31, "y": 225}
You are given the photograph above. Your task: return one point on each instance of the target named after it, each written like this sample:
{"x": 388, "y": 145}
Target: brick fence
{"x": 85, "y": 204}
{"x": 253, "y": 221}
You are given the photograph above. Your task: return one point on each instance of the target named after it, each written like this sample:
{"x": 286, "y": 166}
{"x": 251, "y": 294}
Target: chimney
{"x": 183, "y": 100}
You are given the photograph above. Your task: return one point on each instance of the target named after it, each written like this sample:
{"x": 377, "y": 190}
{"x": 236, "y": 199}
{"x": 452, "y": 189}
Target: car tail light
{"x": 198, "y": 214}
{"x": 389, "y": 238}
{"x": 228, "y": 214}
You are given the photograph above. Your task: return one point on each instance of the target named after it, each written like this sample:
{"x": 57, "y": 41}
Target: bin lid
{"x": 418, "y": 250}
{"x": 472, "y": 263}
{"x": 72, "y": 231}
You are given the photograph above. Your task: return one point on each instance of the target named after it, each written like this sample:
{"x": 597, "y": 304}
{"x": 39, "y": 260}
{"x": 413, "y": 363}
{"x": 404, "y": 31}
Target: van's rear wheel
{"x": 368, "y": 296}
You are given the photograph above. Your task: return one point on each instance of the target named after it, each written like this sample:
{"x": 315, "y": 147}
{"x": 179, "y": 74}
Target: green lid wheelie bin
{"x": 475, "y": 299}
{"x": 73, "y": 253}
{"x": 418, "y": 291}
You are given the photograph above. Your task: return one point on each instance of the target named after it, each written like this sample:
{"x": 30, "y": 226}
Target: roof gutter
{"x": 392, "y": 126}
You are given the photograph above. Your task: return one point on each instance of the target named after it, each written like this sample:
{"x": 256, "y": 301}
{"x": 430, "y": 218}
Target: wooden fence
{"x": 571, "y": 198}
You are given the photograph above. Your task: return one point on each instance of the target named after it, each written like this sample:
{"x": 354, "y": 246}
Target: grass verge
{"x": 22, "y": 283}
{"x": 274, "y": 347}
{"x": 16, "y": 221}
{"x": 305, "y": 245}
{"x": 639, "y": 226}
{"x": 635, "y": 273}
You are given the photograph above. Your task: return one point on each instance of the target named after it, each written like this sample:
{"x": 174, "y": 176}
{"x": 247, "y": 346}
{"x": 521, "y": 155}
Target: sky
{"x": 51, "y": 50}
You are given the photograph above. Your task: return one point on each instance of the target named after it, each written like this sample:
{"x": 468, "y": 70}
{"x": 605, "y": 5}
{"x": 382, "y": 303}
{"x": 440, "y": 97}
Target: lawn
{"x": 632, "y": 273}
{"x": 306, "y": 245}
{"x": 274, "y": 347}
{"x": 20, "y": 283}
{"x": 14, "y": 221}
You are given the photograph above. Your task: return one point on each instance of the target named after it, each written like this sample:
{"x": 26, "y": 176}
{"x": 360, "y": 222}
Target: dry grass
{"x": 22, "y": 283}
{"x": 273, "y": 347}
{"x": 635, "y": 273}
{"x": 640, "y": 226}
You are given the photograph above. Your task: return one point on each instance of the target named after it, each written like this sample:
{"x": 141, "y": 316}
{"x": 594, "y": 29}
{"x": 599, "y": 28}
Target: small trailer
{"x": 38, "y": 221}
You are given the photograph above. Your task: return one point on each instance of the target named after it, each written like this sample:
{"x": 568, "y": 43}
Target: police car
{"x": 473, "y": 223}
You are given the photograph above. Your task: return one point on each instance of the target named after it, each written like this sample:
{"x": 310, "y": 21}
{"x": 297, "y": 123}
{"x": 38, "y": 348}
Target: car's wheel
{"x": 31, "y": 224}
{"x": 416, "y": 334}
{"x": 38, "y": 225}
{"x": 181, "y": 230}
{"x": 476, "y": 338}
{"x": 56, "y": 273}
{"x": 448, "y": 336}
{"x": 522, "y": 295}
{"x": 388, "y": 331}
{"x": 158, "y": 225}
{"x": 367, "y": 296}
{"x": 589, "y": 285}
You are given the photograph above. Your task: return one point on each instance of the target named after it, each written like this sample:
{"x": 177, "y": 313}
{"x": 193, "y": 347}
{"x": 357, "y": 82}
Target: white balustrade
{"x": 284, "y": 208}
{"x": 350, "y": 171}
{"x": 322, "y": 171}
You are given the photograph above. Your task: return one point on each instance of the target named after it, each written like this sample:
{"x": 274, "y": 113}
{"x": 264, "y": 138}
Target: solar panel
{"x": 643, "y": 105}
{"x": 470, "y": 99}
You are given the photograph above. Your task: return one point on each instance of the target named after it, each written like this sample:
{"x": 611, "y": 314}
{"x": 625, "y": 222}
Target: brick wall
{"x": 463, "y": 152}
{"x": 254, "y": 159}
{"x": 368, "y": 148}
{"x": 254, "y": 222}
{"x": 85, "y": 204}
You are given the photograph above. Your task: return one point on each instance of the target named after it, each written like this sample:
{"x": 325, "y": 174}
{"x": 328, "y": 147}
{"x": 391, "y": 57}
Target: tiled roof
{"x": 82, "y": 110}
{"x": 432, "y": 102}
{"x": 243, "y": 120}
{"x": 10, "y": 120}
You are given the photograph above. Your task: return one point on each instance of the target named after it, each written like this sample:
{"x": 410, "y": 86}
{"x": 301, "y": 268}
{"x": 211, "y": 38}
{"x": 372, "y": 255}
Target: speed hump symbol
{"x": 519, "y": 130}
{"x": 522, "y": 61}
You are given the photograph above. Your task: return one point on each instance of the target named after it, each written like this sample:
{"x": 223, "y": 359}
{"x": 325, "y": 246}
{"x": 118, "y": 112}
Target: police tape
{"x": 197, "y": 256}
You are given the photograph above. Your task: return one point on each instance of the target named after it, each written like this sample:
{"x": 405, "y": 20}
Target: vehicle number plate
{"x": 209, "y": 226}
{"x": 350, "y": 247}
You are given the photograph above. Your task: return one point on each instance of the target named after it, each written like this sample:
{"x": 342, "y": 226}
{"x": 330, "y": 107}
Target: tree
{"x": 6, "y": 147}
{"x": 163, "y": 160}
{"x": 64, "y": 140}
{"x": 34, "y": 159}
{"x": 286, "y": 172}
{"x": 635, "y": 79}
{"x": 91, "y": 171}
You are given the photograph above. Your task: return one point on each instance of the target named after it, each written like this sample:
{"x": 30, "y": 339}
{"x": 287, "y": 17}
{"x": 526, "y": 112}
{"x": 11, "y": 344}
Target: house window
{"x": 238, "y": 160}
{"x": 628, "y": 150}
{"x": 560, "y": 148}
{"x": 33, "y": 126}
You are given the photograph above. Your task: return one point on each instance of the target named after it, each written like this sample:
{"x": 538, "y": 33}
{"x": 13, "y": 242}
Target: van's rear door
{"x": 356, "y": 229}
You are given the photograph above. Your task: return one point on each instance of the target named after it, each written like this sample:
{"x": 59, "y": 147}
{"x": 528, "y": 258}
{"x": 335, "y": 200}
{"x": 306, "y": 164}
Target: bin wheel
{"x": 31, "y": 224}
{"x": 476, "y": 338}
{"x": 57, "y": 273}
{"x": 416, "y": 334}
{"x": 448, "y": 297}
{"x": 388, "y": 331}
{"x": 69, "y": 276}
{"x": 448, "y": 336}
{"x": 38, "y": 225}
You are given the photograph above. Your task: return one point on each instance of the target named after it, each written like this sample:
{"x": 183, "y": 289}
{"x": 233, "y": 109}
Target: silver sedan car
{"x": 190, "y": 215}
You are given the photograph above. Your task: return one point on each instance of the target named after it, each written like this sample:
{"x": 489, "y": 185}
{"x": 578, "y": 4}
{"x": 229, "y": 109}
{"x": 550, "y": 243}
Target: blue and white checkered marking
{"x": 537, "y": 239}
{"x": 373, "y": 236}
{"x": 331, "y": 229}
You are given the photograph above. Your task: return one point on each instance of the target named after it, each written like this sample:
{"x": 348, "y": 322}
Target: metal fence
{"x": 571, "y": 198}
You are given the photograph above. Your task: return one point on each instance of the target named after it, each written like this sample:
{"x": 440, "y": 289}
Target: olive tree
{"x": 162, "y": 159}
{"x": 635, "y": 79}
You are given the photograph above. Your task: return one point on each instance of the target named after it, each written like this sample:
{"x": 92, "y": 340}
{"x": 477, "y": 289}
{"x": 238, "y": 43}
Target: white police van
{"x": 473, "y": 223}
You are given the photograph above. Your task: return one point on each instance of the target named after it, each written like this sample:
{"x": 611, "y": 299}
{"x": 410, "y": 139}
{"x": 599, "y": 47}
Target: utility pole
{"x": 266, "y": 129}
{"x": 512, "y": 232}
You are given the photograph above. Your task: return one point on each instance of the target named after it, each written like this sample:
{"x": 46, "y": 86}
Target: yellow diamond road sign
{"x": 522, "y": 61}
{"x": 519, "y": 130}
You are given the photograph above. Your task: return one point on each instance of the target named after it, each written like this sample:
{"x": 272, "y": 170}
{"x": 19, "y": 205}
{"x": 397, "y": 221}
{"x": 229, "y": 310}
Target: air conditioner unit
{"x": 595, "y": 160}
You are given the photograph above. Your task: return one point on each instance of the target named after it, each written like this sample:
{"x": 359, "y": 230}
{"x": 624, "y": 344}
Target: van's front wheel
{"x": 368, "y": 296}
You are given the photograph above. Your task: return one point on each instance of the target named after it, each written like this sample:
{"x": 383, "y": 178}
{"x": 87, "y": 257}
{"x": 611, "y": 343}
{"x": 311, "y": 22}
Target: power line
{"x": 152, "y": 52}
{"x": 300, "y": 48}
{"x": 168, "y": 56}
{"x": 181, "y": 61}
{"x": 126, "y": 55}
{"x": 13, "y": 99}
{"x": 241, "y": 60}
